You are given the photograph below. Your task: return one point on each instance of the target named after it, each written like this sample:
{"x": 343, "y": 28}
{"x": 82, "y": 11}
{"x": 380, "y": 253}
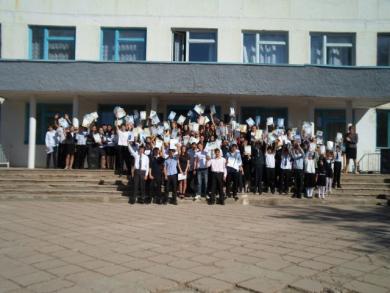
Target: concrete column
{"x": 32, "y": 133}
{"x": 348, "y": 113}
{"x": 154, "y": 104}
{"x": 310, "y": 110}
{"x": 76, "y": 107}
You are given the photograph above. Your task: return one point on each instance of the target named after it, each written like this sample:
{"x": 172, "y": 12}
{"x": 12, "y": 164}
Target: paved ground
{"x": 113, "y": 247}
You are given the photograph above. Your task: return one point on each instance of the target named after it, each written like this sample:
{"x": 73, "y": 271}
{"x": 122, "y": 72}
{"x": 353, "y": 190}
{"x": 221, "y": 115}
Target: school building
{"x": 303, "y": 60}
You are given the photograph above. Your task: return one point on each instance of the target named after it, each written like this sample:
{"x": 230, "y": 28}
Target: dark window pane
{"x": 382, "y": 130}
{"x": 339, "y": 56}
{"x": 61, "y": 50}
{"x": 202, "y": 52}
{"x": 108, "y": 45}
{"x": 203, "y": 35}
{"x": 179, "y": 46}
{"x": 131, "y": 51}
{"x": 330, "y": 122}
{"x": 132, "y": 34}
{"x": 384, "y": 50}
{"x": 316, "y": 49}
{"x": 249, "y": 48}
{"x": 60, "y": 32}
{"x": 37, "y": 43}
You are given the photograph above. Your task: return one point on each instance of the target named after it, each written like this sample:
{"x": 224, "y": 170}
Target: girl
{"x": 310, "y": 174}
{"x": 102, "y": 143}
{"x": 329, "y": 165}
{"x": 70, "y": 146}
{"x": 183, "y": 166}
{"x": 321, "y": 179}
{"x": 270, "y": 168}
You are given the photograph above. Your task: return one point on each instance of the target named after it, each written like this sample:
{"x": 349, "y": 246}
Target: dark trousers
{"x": 123, "y": 158}
{"x": 285, "y": 177}
{"x": 298, "y": 182}
{"x": 61, "y": 156}
{"x": 191, "y": 183}
{"x": 232, "y": 178}
{"x": 155, "y": 189}
{"x": 258, "y": 174}
{"x": 81, "y": 154}
{"x": 139, "y": 185}
{"x": 270, "y": 174}
{"x": 337, "y": 173}
{"x": 217, "y": 185}
{"x": 172, "y": 186}
{"x": 52, "y": 155}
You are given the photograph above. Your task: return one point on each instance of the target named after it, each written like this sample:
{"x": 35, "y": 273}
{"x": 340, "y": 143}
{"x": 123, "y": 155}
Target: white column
{"x": 76, "y": 107}
{"x": 32, "y": 133}
{"x": 348, "y": 113}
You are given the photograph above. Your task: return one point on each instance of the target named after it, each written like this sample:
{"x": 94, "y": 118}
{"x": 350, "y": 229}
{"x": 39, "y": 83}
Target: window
{"x": 52, "y": 43}
{"x": 196, "y": 46}
{"x": 123, "y": 44}
{"x": 45, "y": 117}
{"x": 382, "y": 128}
{"x": 383, "y": 50}
{"x": 333, "y": 49}
{"x": 264, "y": 113}
{"x": 330, "y": 121}
{"x": 266, "y": 47}
{"x": 106, "y": 114}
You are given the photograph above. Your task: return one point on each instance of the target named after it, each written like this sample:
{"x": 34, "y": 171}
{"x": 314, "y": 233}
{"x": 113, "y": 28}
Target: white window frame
{"x": 325, "y": 45}
{"x": 195, "y": 41}
{"x": 260, "y": 42}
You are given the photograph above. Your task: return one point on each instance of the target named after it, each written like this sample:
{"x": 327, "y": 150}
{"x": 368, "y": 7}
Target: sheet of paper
{"x": 329, "y": 145}
{"x": 270, "y": 121}
{"x": 143, "y": 115}
{"x": 181, "y": 120}
{"x": 119, "y": 112}
{"x": 280, "y": 123}
{"x": 212, "y": 109}
{"x": 63, "y": 122}
{"x": 159, "y": 143}
{"x": 181, "y": 176}
{"x": 232, "y": 112}
{"x": 250, "y": 122}
{"x": 243, "y": 128}
{"x": 97, "y": 138}
{"x": 248, "y": 149}
{"x": 173, "y": 143}
{"x": 199, "y": 109}
{"x": 172, "y": 116}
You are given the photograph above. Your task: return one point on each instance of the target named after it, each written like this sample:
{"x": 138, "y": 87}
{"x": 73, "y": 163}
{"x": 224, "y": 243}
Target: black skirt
{"x": 70, "y": 148}
{"x": 321, "y": 180}
{"x": 351, "y": 153}
{"x": 310, "y": 180}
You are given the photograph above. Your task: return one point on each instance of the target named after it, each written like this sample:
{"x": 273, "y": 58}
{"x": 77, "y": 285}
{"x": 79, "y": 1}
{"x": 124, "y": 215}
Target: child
{"x": 310, "y": 174}
{"x": 270, "y": 168}
{"x": 337, "y": 167}
{"x": 321, "y": 179}
{"x": 329, "y": 162}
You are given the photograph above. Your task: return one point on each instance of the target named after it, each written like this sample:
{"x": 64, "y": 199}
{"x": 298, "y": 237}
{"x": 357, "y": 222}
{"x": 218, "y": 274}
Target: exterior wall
{"x": 364, "y": 17}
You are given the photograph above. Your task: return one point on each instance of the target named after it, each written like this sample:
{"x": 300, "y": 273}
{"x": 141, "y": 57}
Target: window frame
{"x": 325, "y": 45}
{"x": 259, "y": 42}
{"x": 118, "y": 39}
{"x": 382, "y": 34}
{"x": 194, "y": 41}
{"x": 47, "y": 39}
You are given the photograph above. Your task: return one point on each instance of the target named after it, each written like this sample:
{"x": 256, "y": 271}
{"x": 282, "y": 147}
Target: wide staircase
{"x": 104, "y": 186}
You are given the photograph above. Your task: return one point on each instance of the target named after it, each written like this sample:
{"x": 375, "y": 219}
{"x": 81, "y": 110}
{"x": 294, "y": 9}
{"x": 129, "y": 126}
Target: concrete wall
{"x": 364, "y": 17}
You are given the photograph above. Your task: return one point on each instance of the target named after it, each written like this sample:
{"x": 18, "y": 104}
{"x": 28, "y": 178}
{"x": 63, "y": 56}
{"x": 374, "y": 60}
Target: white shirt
{"x": 269, "y": 160}
{"x": 218, "y": 165}
{"x": 201, "y": 159}
{"x": 144, "y": 161}
{"x": 51, "y": 139}
{"x": 285, "y": 163}
{"x": 310, "y": 166}
{"x": 81, "y": 138}
{"x": 60, "y": 134}
{"x": 123, "y": 137}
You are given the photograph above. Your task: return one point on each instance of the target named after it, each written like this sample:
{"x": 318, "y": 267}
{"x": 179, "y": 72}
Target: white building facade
{"x": 270, "y": 34}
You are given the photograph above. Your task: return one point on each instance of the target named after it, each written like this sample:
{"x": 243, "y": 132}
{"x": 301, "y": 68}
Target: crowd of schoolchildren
{"x": 199, "y": 155}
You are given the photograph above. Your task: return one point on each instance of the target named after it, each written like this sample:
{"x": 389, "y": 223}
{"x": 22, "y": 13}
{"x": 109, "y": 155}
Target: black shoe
{"x": 339, "y": 186}
{"x": 131, "y": 200}
{"x": 141, "y": 201}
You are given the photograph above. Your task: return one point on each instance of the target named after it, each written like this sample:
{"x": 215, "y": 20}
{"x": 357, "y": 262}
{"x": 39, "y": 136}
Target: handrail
{"x": 369, "y": 162}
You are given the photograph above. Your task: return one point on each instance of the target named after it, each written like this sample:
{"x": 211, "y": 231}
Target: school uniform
{"x": 321, "y": 181}
{"x": 298, "y": 164}
{"x": 257, "y": 168}
{"x": 337, "y": 169}
{"x": 141, "y": 170}
{"x": 233, "y": 173}
{"x": 328, "y": 163}
{"x": 191, "y": 177}
{"x": 69, "y": 144}
{"x": 51, "y": 141}
{"x": 156, "y": 165}
{"x": 61, "y": 148}
{"x": 285, "y": 173}
{"x": 218, "y": 174}
{"x": 81, "y": 149}
{"x": 310, "y": 176}
{"x": 270, "y": 171}
{"x": 170, "y": 165}
{"x": 123, "y": 152}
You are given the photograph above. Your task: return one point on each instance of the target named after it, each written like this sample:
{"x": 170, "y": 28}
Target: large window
{"x": 45, "y": 117}
{"x": 333, "y": 49}
{"x": 265, "y": 47}
{"x": 196, "y": 46}
{"x": 264, "y": 113}
{"x": 52, "y": 43}
{"x": 383, "y": 128}
{"x": 330, "y": 121}
{"x": 383, "y": 49}
{"x": 123, "y": 44}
